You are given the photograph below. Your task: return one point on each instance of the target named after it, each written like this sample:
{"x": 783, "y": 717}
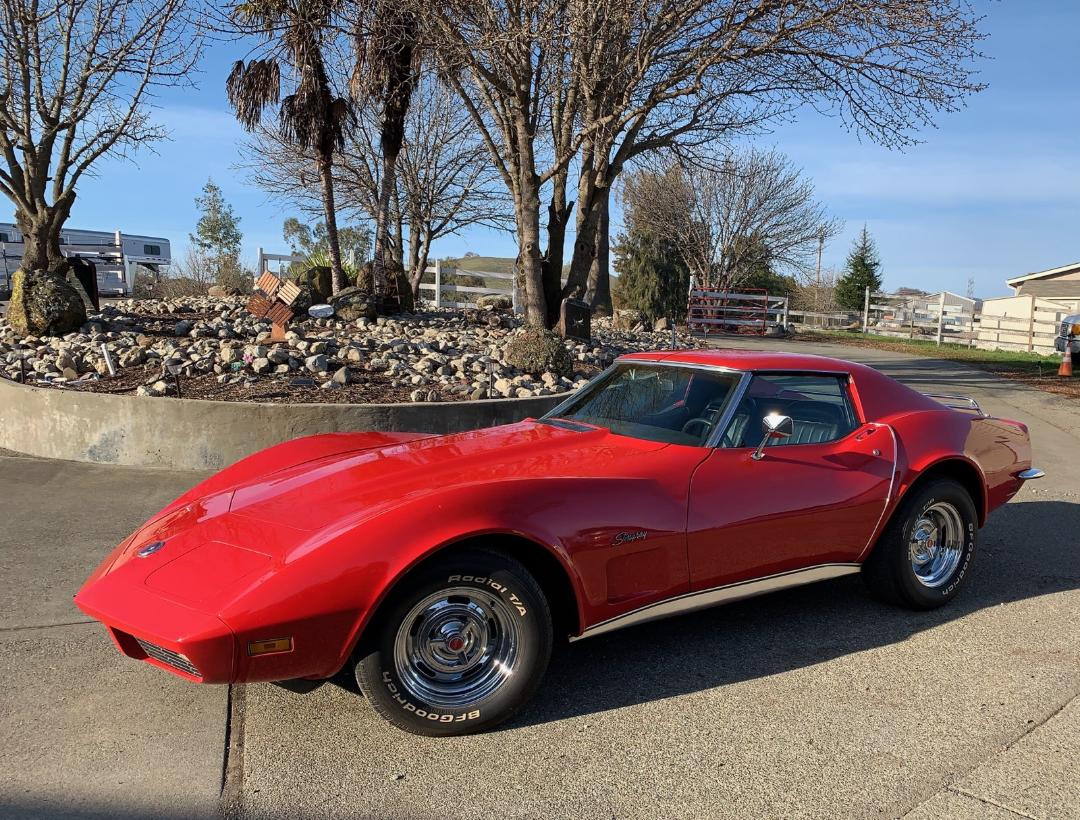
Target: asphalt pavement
{"x": 814, "y": 702}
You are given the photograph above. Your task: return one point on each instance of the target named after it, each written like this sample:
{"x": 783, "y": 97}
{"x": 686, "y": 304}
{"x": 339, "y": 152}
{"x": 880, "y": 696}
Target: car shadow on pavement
{"x": 1026, "y": 550}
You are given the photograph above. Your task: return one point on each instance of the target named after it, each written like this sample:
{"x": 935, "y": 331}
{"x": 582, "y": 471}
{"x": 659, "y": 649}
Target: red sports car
{"x": 442, "y": 568}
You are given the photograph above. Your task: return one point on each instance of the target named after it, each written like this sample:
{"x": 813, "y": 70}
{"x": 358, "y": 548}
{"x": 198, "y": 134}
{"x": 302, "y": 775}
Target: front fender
{"x": 324, "y": 592}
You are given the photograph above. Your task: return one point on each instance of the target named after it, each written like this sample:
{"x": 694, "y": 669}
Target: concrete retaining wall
{"x": 193, "y": 434}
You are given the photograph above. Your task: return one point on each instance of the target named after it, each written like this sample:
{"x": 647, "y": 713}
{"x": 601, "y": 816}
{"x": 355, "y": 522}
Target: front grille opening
{"x": 168, "y": 657}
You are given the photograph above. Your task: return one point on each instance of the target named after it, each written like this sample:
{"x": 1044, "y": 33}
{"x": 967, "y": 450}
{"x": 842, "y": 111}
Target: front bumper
{"x": 147, "y": 627}
{"x": 1061, "y": 344}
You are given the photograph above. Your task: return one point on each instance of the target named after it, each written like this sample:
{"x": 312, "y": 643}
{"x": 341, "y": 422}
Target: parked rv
{"x": 117, "y": 255}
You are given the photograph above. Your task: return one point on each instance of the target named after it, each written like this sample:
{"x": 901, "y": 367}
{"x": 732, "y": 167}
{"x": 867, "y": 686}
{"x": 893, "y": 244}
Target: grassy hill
{"x": 494, "y": 264}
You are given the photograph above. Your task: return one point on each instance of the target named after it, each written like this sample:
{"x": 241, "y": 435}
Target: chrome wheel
{"x": 937, "y": 544}
{"x": 456, "y": 647}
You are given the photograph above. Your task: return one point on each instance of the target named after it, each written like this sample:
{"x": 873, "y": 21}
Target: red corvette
{"x": 441, "y": 568}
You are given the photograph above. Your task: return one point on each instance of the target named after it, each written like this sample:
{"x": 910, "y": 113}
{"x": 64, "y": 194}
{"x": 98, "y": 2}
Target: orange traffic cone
{"x": 1066, "y": 363}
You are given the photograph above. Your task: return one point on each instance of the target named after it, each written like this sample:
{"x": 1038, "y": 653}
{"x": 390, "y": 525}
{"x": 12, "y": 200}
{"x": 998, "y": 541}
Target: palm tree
{"x": 387, "y": 64}
{"x": 311, "y": 117}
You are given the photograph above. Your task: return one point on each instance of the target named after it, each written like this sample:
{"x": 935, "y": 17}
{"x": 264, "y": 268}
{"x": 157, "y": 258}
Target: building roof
{"x": 1016, "y": 280}
{"x": 1062, "y": 289}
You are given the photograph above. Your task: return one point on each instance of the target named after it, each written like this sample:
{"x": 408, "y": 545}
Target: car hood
{"x": 245, "y": 520}
{"x": 345, "y": 487}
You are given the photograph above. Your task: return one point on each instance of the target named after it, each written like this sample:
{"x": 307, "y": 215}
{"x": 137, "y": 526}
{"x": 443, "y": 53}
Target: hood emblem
{"x": 627, "y": 537}
{"x": 150, "y": 549}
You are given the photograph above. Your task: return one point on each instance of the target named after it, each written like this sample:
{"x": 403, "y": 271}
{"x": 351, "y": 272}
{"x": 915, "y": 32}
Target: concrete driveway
{"x": 813, "y": 702}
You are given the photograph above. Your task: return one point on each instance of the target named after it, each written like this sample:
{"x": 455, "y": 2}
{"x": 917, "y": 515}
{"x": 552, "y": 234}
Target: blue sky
{"x": 992, "y": 192}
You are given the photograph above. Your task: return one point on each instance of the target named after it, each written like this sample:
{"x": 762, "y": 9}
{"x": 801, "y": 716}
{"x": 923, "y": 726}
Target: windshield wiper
{"x": 564, "y": 424}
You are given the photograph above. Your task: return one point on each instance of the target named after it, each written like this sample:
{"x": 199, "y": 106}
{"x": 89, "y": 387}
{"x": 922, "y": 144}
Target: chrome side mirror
{"x": 773, "y": 426}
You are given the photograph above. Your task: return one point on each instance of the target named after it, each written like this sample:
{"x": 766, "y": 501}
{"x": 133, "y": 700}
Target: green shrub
{"x": 538, "y": 351}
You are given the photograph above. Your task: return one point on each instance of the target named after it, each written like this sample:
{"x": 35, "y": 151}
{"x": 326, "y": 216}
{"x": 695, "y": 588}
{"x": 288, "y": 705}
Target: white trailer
{"x": 116, "y": 255}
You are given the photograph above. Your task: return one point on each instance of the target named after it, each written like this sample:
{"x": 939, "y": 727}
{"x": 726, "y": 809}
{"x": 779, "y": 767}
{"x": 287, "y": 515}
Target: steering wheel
{"x": 705, "y": 424}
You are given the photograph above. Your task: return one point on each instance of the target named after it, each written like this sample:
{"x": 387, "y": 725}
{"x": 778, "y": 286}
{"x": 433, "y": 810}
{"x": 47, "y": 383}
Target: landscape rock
{"x": 495, "y": 301}
{"x": 319, "y": 281}
{"x": 627, "y": 319}
{"x": 44, "y": 304}
{"x": 352, "y": 304}
{"x": 445, "y": 354}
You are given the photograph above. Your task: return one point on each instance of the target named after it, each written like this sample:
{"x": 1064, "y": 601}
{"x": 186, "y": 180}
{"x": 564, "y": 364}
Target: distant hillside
{"x": 494, "y": 264}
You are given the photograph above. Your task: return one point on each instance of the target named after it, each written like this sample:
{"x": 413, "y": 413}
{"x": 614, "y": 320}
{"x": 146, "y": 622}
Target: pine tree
{"x": 217, "y": 237}
{"x": 860, "y": 272}
{"x": 217, "y": 233}
{"x": 652, "y": 276}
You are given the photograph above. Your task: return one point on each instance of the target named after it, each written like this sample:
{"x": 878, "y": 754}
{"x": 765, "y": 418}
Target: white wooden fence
{"x": 263, "y": 264}
{"x": 437, "y": 292}
{"x": 1026, "y": 323}
{"x": 1023, "y": 322}
{"x": 943, "y": 317}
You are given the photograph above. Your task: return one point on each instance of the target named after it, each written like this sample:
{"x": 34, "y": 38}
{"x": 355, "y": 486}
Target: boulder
{"x": 495, "y": 301}
{"x": 352, "y": 304}
{"x": 44, "y": 304}
{"x": 220, "y": 291}
{"x": 319, "y": 280}
{"x": 536, "y": 350}
{"x": 661, "y": 324}
{"x": 627, "y": 319}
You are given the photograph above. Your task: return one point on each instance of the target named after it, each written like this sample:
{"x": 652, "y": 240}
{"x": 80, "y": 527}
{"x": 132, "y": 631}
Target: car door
{"x": 810, "y": 500}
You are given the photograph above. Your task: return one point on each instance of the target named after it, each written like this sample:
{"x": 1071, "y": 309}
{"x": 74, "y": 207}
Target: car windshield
{"x": 677, "y": 405}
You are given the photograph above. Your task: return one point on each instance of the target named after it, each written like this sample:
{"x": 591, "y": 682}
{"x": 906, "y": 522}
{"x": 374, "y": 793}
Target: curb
{"x": 197, "y": 434}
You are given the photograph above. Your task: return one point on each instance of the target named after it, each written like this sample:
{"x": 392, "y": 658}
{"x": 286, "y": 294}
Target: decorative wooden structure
{"x": 273, "y": 300}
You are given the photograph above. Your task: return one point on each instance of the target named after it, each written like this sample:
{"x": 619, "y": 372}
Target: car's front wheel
{"x": 925, "y": 552}
{"x": 459, "y": 647}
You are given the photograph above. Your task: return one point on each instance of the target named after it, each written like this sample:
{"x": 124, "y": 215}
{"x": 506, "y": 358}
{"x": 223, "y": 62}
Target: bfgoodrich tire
{"x": 925, "y": 553}
{"x": 459, "y": 647}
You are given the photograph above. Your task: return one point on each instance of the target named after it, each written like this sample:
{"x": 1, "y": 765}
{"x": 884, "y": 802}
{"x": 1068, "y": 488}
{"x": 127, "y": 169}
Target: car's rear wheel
{"x": 925, "y": 552}
{"x": 459, "y": 647}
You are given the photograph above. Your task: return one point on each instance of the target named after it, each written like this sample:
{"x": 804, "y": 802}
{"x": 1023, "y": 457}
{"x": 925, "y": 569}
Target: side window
{"x": 819, "y": 405}
{"x": 151, "y": 250}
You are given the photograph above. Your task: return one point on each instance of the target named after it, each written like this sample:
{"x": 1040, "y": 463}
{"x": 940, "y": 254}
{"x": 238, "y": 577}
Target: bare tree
{"x": 677, "y": 74}
{"x": 296, "y": 34}
{"x": 659, "y": 74}
{"x": 445, "y": 181}
{"x": 500, "y": 57}
{"x": 76, "y": 83}
{"x": 721, "y": 216}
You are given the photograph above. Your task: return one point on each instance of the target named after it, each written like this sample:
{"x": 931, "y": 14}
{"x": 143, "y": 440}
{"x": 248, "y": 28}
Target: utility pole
{"x": 817, "y": 282}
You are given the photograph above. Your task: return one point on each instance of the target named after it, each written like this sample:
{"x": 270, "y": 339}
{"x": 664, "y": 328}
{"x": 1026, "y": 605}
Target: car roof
{"x": 747, "y": 360}
{"x": 879, "y": 396}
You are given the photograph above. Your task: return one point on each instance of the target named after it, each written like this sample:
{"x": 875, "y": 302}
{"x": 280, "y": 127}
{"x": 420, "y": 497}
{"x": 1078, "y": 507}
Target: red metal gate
{"x": 746, "y": 311}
